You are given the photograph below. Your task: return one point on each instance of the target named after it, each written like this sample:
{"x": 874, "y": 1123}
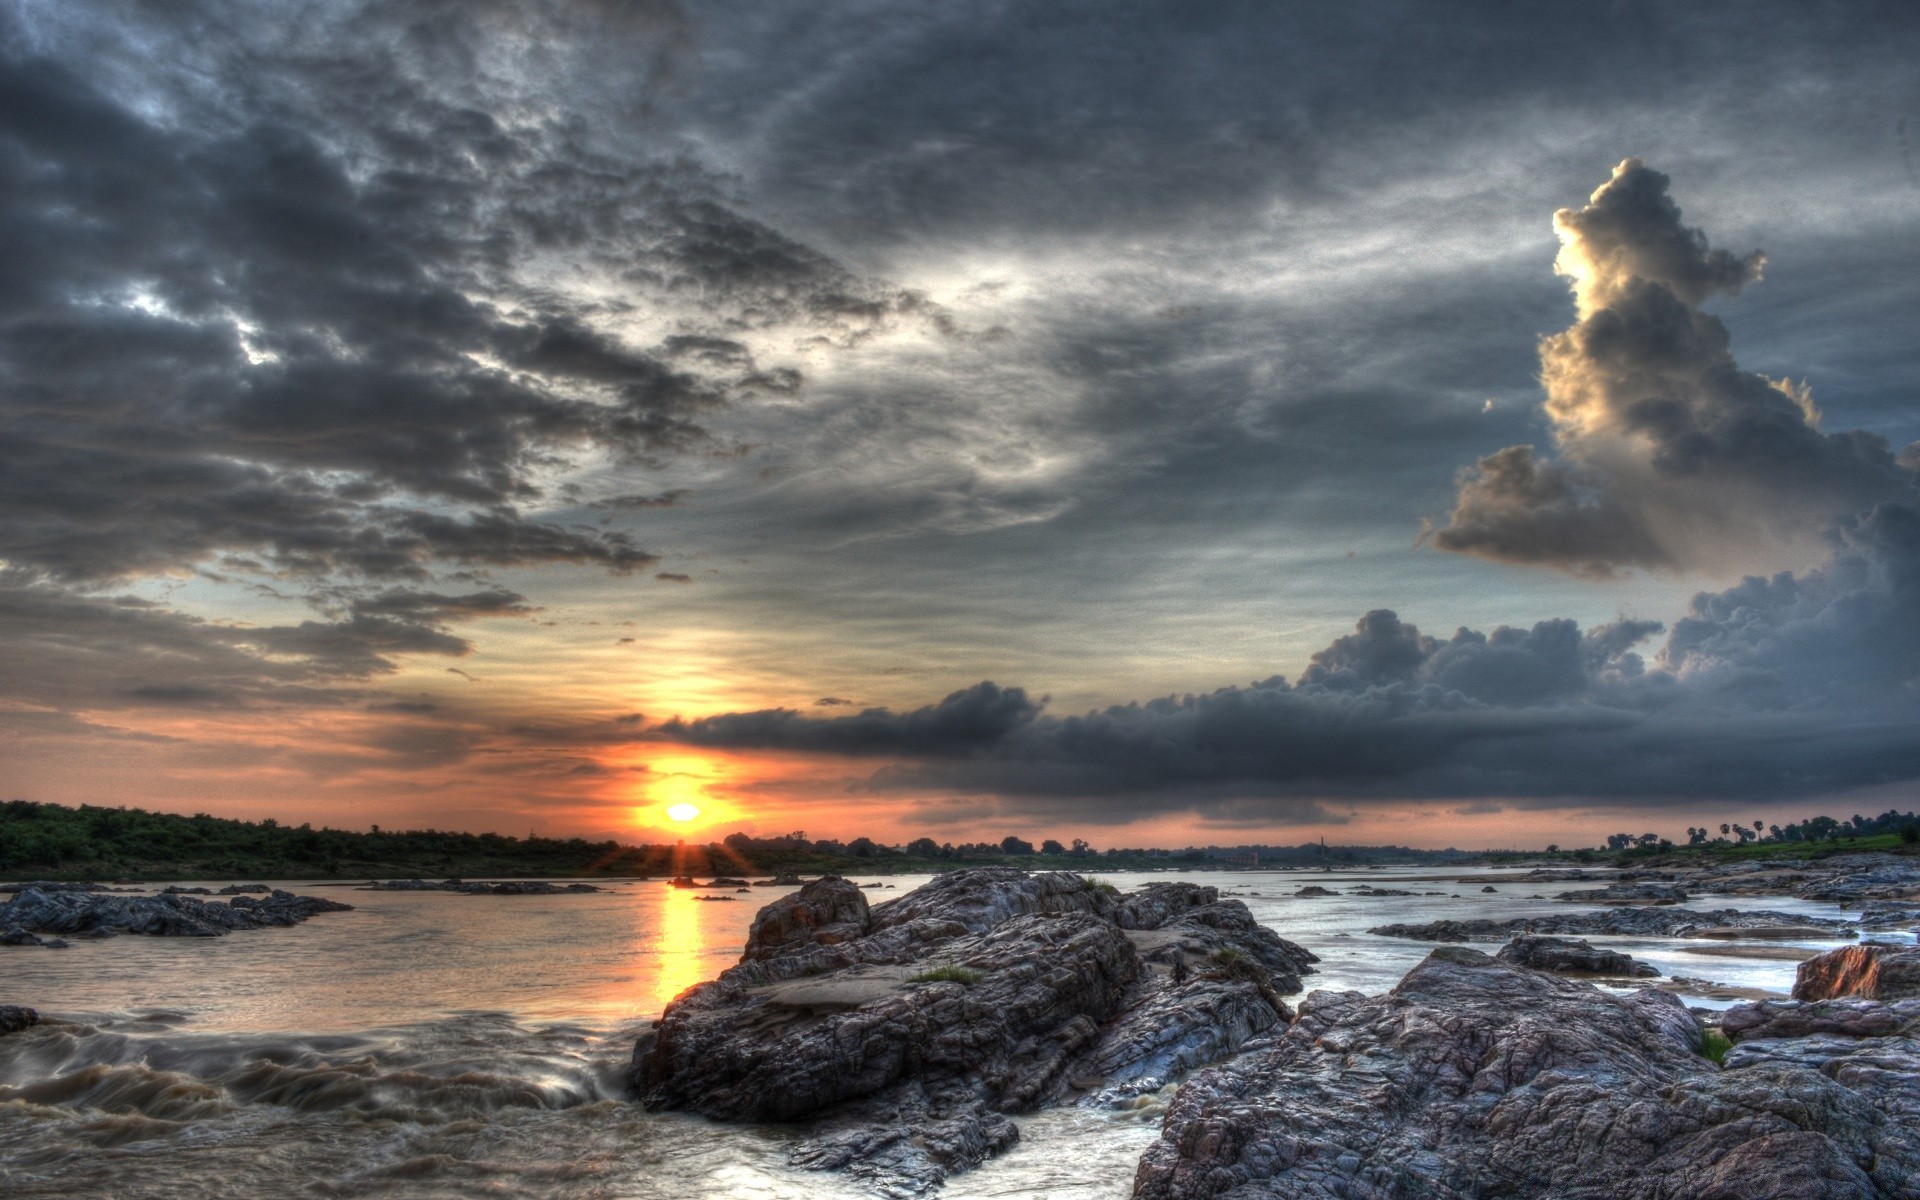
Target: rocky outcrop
{"x": 1630, "y": 893}
{"x": 1871, "y": 971}
{"x": 1571, "y": 956}
{"x": 14, "y": 1018}
{"x": 1640, "y": 922}
{"x": 1474, "y": 1078}
{"x": 31, "y": 915}
{"x": 904, "y": 1034}
{"x": 514, "y": 887}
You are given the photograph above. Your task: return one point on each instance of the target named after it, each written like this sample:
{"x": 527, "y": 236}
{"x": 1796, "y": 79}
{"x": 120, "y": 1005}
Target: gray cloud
{"x": 1668, "y": 454}
{"x": 1789, "y": 686}
{"x": 332, "y": 274}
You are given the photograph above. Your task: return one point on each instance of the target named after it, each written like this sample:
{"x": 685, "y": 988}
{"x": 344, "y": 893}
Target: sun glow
{"x": 683, "y": 812}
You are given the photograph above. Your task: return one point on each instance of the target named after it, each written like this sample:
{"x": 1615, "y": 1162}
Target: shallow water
{"x": 432, "y": 1045}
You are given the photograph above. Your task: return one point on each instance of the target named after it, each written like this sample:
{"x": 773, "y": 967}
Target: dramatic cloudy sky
{"x": 1438, "y": 423}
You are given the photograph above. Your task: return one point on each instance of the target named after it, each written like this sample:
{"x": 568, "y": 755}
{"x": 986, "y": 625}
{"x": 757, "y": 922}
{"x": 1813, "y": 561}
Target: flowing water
{"x": 435, "y": 1045}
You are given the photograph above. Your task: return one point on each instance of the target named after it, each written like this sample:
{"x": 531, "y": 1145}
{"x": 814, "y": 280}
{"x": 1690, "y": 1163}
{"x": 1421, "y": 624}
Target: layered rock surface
{"x": 905, "y": 1033}
{"x": 34, "y": 916}
{"x": 1475, "y": 1079}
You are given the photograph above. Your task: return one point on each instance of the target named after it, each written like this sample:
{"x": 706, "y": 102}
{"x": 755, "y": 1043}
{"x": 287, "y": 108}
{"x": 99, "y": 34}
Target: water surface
{"x": 434, "y": 1045}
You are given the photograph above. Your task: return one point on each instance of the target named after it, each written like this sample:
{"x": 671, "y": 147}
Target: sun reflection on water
{"x": 682, "y": 955}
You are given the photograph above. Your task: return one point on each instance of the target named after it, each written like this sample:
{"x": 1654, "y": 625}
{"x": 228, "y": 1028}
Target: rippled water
{"x": 437, "y": 1045}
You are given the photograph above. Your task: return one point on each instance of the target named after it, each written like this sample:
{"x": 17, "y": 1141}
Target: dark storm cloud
{"x": 1778, "y": 687}
{"x": 1669, "y": 455}
{"x": 295, "y": 311}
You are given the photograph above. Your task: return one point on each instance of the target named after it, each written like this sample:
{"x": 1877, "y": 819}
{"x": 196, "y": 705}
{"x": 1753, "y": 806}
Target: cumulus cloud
{"x": 1784, "y": 686}
{"x": 1667, "y": 454}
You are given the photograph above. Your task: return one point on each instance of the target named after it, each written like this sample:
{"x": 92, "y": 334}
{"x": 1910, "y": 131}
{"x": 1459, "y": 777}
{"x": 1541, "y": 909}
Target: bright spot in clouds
{"x": 683, "y": 812}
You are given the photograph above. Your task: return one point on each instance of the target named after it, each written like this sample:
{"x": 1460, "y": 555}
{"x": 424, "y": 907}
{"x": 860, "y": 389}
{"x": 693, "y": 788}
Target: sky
{"x": 1423, "y": 423}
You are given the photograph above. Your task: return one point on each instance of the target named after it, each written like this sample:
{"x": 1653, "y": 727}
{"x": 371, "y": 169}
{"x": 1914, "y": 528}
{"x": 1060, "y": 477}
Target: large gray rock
{"x": 34, "y": 913}
{"x": 1571, "y": 956}
{"x": 1871, "y": 971}
{"x": 1477, "y": 1079}
{"x": 904, "y": 1034}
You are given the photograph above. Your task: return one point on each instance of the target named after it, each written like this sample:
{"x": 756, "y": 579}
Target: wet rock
{"x": 903, "y": 1034}
{"x": 36, "y": 913}
{"x": 780, "y": 881}
{"x": 1477, "y": 1079}
{"x": 14, "y": 1018}
{"x": 186, "y": 891}
{"x": 1872, "y": 971}
{"x": 1572, "y": 956}
{"x": 1489, "y": 888}
{"x": 1630, "y": 893}
{"x": 727, "y": 881}
{"x": 245, "y": 889}
{"x": 1314, "y": 889}
{"x": 1636, "y": 922}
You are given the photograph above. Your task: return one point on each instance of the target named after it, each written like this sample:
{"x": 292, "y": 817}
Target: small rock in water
{"x": 14, "y": 1018}
{"x": 1571, "y": 956}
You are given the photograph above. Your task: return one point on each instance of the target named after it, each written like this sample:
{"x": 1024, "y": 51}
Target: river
{"x": 433, "y": 1045}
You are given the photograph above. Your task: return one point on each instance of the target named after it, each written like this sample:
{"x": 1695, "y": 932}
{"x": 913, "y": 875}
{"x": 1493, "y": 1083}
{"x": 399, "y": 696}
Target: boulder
{"x": 1474, "y": 1079}
{"x": 826, "y": 912}
{"x": 1571, "y": 956}
{"x": 1872, "y": 971}
{"x": 904, "y": 1034}
{"x": 14, "y": 1018}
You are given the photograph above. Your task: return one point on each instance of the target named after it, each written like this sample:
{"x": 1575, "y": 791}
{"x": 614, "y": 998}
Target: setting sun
{"x": 682, "y": 812}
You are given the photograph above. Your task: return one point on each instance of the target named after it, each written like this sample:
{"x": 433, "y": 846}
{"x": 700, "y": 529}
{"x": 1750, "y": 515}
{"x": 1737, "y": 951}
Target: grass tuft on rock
{"x": 949, "y": 973}
{"x": 1715, "y": 1044}
{"x": 1100, "y": 885}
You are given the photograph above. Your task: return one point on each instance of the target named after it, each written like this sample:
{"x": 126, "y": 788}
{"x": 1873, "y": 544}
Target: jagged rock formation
{"x": 1641, "y": 922}
{"x": 903, "y": 1034}
{"x": 1477, "y": 1079}
{"x": 31, "y": 915}
{"x": 14, "y": 1018}
{"x": 1572, "y": 956}
{"x": 1871, "y": 971}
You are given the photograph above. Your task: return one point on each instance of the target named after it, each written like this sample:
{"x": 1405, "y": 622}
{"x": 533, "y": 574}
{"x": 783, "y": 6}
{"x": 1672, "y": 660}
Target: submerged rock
{"x": 14, "y": 1018}
{"x": 1871, "y": 971}
{"x": 1657, "y": 921}
{"x": 903, "y": 1034}
{"x": 1474, "y": 1078}
{"x": 34, "y": 913}
{"x": 1571, "y": 956}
